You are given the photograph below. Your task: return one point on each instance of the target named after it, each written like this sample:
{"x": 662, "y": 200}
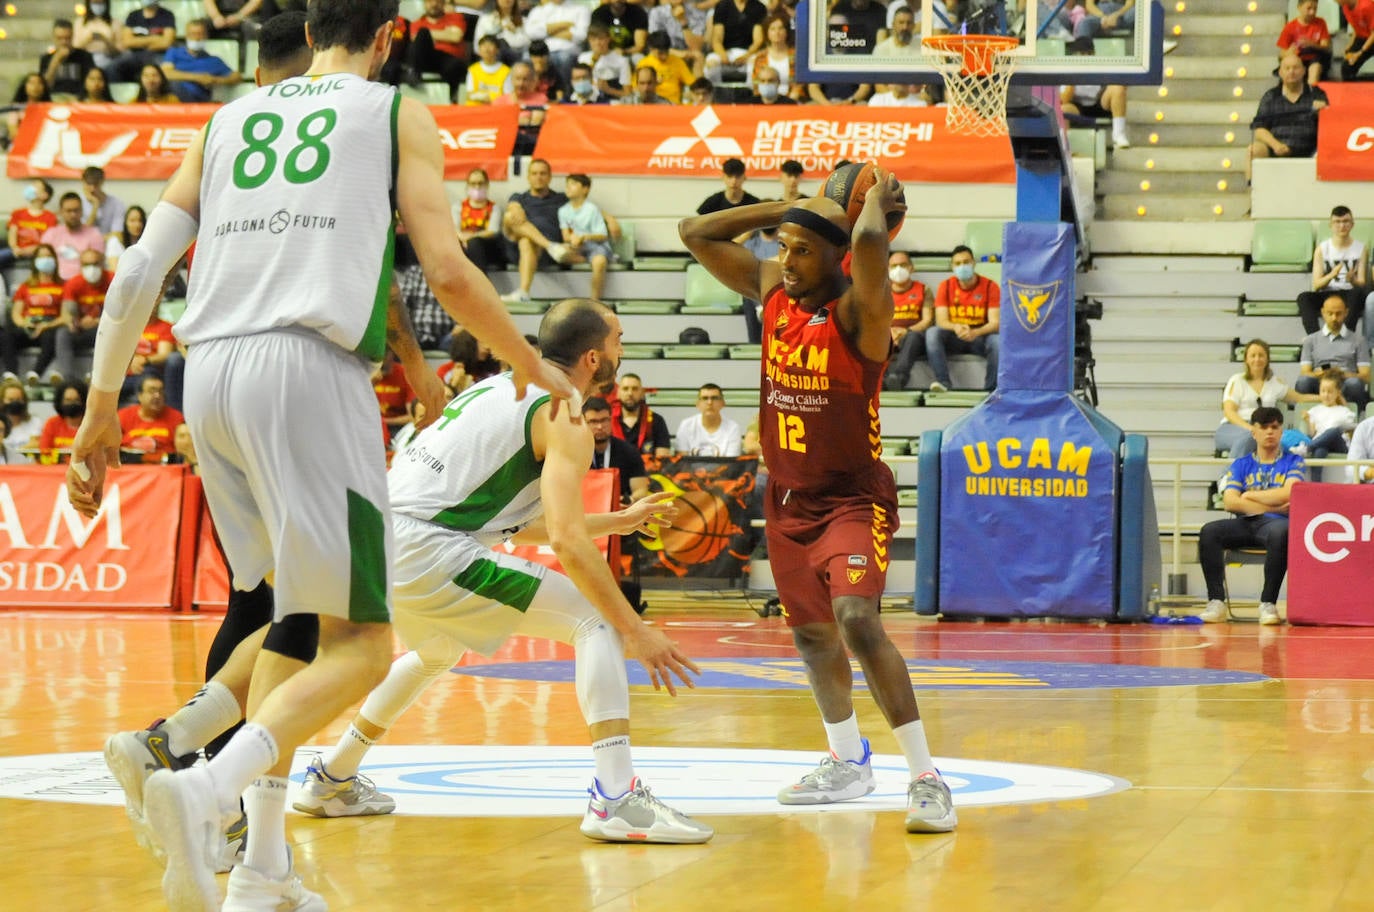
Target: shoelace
{"x": 829, "y": 766}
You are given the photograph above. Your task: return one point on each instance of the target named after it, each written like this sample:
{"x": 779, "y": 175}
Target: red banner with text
{"x": 1345, "y": 134}
{"x": 147, "y": 142}
{"x": 52, "y": 557}
{"x": 683, "y": 140}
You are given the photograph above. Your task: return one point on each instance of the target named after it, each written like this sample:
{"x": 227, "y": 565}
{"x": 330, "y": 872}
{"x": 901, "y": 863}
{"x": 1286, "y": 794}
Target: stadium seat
{"x": 642, "y": 350}
{"x": 623, "y": 247}
{"x": 745, "y": 352}
{"x": 250, "y": 60}
{"x": 991, "y": 270}
{"x": 1281, "y": 245}
{"x": 676, "y": 351}
{"x": 706, "y": 294}
{"x": 226, "y": 49}
{"x": 225, "y": 94}
{"x": 429, "y": 93}
{"x": 647, "y": 306}
{"x": 984, "y": 238}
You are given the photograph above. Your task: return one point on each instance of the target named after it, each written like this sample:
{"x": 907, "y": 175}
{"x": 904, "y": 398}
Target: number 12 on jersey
{"x": 791, "y": 433}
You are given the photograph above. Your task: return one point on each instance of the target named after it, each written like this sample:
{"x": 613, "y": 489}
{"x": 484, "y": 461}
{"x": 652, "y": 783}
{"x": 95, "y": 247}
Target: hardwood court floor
{"x": 1245, "y": 796}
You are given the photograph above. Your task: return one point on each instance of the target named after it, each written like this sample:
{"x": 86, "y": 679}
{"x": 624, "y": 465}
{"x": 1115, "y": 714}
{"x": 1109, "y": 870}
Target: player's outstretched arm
{"x": 871, "y": 294}
{"x": 710, "y": 238}
{"x": 460, "y": 287}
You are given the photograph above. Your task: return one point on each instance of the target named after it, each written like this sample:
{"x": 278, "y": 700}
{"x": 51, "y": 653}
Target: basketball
{"x": 848, "y": 185}
{"x": 701, "y": 529}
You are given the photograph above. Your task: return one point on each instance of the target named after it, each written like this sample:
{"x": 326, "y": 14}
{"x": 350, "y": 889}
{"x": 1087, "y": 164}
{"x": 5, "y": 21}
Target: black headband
{"x": 817, "y": 223}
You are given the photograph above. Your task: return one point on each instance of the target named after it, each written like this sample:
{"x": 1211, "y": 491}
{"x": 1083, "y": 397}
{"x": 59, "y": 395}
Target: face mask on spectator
{"x": 768, "y": 90}
{"x": 195, "y": 47}
{"x": 45, "y": 264}
{"x": 92, "y": 273}
{"x": 17, "y": 408}
{"x": 477, "y": 194}
{"x": 30, "y": 193}
{"x": 899, "y": 275}
{"x": 71, "y": 409}
{"x": 963, "y": 272}
{"x": 582, "y": 86}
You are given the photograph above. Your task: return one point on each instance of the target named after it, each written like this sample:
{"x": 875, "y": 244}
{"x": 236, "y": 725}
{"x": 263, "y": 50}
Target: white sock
{"x": 615, "y": 770}
{"x": 211, "y": 712}
{"x": 348, "y": 755}
{"x": 249, "y": 754}
{"x": 845, "y": 741}
{"x": 1118, "y": 126}
{"x": 912, "y": 738}
{"x": 265, "y": 804}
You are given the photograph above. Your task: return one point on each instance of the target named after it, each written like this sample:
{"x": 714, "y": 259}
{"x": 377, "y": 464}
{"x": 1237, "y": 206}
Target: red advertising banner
{"x": 147, "y": 142}
{"x": 683, "y": 140}
{"x": 52, "y": 557}
{"x": 1345, "y": 134}
{"x": 1331, "y": 555}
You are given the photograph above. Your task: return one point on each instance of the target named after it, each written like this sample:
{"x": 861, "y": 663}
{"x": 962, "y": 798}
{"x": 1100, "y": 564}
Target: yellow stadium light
{"x": 1139, "y": 210}
{"x": 1248, "y": 30}
{"x": 1216, "y": 210}
{"x": 1238, "y": 91}
{"x": 1144, "y": 185}
{"x": 1230, "y": 137}
{"x": 1253, "y": 6}
{"x": 1159, "y": 115}
{"x": 1163, "y": 91}
{"x": 1221, "y": 185}
{"x": 1241, "y": 72}
{"x": 1234, "y": 117}
{"x": 1180, "y": 7}
{"x": 12, "y": 10}
{"x": 1150, "y": 162}
{"x": 1178, "y": 30}
{"x": 1245, "y": 48}
{"x": 1154, "y": 138}
{"x": 1169, "y": 72}
{"x": 1226, "y": 163}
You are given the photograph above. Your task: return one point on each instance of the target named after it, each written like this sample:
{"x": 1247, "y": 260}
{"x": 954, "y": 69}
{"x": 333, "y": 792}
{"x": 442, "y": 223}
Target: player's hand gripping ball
{"x": 848, "y": 185}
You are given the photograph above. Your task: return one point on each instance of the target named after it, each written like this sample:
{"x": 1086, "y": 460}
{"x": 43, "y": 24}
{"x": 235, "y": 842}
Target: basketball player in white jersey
{"x": 290, "y": 193}
{"x": 493, "y": 470}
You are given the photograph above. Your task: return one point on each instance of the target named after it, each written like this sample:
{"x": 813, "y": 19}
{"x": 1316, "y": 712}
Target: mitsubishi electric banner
{"x": 1027, "y": 485}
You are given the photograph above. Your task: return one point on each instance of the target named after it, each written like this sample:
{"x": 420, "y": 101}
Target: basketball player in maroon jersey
{"x": 831, "y": 506}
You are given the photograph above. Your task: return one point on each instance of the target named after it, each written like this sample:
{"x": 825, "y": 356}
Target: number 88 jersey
{"x": 297, "y": 203}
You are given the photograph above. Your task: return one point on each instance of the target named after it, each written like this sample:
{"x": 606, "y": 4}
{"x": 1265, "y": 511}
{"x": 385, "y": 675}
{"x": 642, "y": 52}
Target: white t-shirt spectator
{"x": 692, "y": 437}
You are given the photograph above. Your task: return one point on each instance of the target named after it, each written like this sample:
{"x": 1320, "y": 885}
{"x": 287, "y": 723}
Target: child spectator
{"x": 1309, "y": 38}
{"x": 28, "y": 222}
{"x": 488, "y": 78}
{"x": 1328, "y": 423}
{"x": 585, "y": 232}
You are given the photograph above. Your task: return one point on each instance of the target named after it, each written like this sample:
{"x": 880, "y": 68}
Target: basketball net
{"x": 977, "y": 71}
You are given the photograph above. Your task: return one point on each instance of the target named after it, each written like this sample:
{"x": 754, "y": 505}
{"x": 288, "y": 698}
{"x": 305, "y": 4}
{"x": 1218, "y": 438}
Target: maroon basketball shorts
{"x": 823, "y": 546}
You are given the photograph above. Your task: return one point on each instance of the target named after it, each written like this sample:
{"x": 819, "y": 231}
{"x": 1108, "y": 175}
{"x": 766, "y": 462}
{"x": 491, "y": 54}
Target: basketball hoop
{"x": 977, "y": 70}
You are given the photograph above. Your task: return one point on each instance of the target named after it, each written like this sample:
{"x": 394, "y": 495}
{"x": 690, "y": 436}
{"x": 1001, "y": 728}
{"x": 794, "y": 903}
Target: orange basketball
{"x": 848, "y": 185}
{"x": 701, "y": 529}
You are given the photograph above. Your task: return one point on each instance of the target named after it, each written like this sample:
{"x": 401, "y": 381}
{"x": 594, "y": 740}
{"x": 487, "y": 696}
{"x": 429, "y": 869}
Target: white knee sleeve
{"x": 408, "y": 678}
{"x": 603, "y": 689}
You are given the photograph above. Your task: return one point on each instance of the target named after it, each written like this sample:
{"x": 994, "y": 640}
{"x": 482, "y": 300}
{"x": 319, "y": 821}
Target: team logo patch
{"x": 1033, "y": 303}
{"x": 858, "y": 560}
{"x": 820, "y": 317}
{"x": 854, "y": 575}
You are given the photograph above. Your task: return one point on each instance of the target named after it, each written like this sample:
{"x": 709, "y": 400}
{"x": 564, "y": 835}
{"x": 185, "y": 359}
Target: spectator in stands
{"x": 673, "y": 72}
{"x": 734, "y": 194}
{"x": 856, "y": 26}
{"x": 1055, "y": 21}
{"x": 405, "y": 434}
{"x": 83, "y": 300}
{"x": 901, "y": 42}
{"x": 686, "y": 23}
{"x": 32, "y": 89}
{"x": 943, "y": 20}
{"x": 116, "y": 242}
{"x": 153, "y": 87}
{"x": 506, "y": 23}
{"x": 701, "y": 92}
{"x": 1360, "y": 15}
{"x": 1285, "y": 123}
{"x": 1096, "y": 101}
{"x": 147, "y": 34}
{"x": 763, "y": 244}
{"x": 1340, "y": 265}
{"x": 392, "y": 391}
{"x": 633, "y": 421}
{"x": 437, "y": 46}
{"x": 708, "y": 432}
{"x": 1107, "y": 16}
{"x": 155, "y": 355}
{"x": 35, "y": 319}
{"x": 98, "y": 208}
{"x": 789, "y": 176}
{"x": 28, "y": 222}
{"x": 185, "y": 449}
{"x": 628, "y": 24}
{"x": 1335, "y": 347}
{"x": 912, "y": 315}
{"x": 736, "y": 32}
{"x": 24, "y": 428}
{"x": 1308, "y": 37}
{"x": 432, "y": 325}
{"x": 524, "y": 94}
{"x": 586, "y": 234}
{"x": 546, "y": 78}
{"x": 610, "y": 68}
{"x": 192, "y": 71}
{"x": 479, "y": 221}
{"x": 1361, "y": 448}
{"x": 768, "y": 88}
{"x": 394, "y": 70}
{"x": 967, "y": 319}
{"x": 531, "y": 228}
{"x": 96, "y": 34}
{"x": 64, "y": 66}
{"x": 238, "y": 19}
{"x": 897, "y": 95}
{"x": 611, "y": 452}
{"x": 778, "y": 54}
{"x": 470, "y": 360}
{"x": 71, "y": 235}
{"x": 1328, "y": 423}
{"x": 584, "y": 90}
{"x": 55, "y": 440}
{"x": 1256, "y": 489}
{"x": 150, "y": 424}
{"x": 839, "y": 93}
{"x": 95, "y": 88}
{"x": 1252, "y": 388}
{"x": 562, "y": 25}
{"x": 645, "y": 89}
{"x": 488, "y": 78}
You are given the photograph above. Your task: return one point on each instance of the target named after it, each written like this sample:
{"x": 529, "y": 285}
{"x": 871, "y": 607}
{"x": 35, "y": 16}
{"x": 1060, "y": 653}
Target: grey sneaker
{"x": 182, "y": 812}
{"x": 937, "y": 387}
{"x": 235, "y": 844}
{"x": 323, "y": 796}
{"x": 1269, "y": 614}
{"x": 637, "y": 816}
{"x": 1215, "y": 613}
{"x": 134, "y": 756}
{"x": 833, "y": 780}
{"x": 250, "y": 891}
{"x": 929, "y": 805}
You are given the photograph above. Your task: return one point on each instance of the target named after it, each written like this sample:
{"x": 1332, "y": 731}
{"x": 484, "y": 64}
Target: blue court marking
{"x": 926, "y": 674}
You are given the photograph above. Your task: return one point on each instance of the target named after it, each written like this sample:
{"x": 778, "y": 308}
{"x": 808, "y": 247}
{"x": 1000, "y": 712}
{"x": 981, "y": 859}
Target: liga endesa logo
{"x": 1326, "y": 535}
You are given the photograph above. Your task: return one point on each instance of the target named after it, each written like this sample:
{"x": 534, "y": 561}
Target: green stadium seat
{"x": 745, "y": 352}
{"x": 705, "y": 294}
{"x": 679, "y": 352}
{"x": 429, "y": 93}
{"x": 898, "y": 399}
{"x": 991, "y": 270}
{"x": 661, "y": 263}
{"x": 652, "y": 307}
{"x": 171, "y": 309}
{"x": 955, "y": 398}
{"x": 226, "y": 49}
{"x": 1269, "y": 308}
{"x": 906, "y": 497}
{"x": 250, "y": 60}
{"x": 663, "y": 398}
{"x": 643, "y": 350}
{"x": 984, "y": 238}
{"x": 1281, "y": 245}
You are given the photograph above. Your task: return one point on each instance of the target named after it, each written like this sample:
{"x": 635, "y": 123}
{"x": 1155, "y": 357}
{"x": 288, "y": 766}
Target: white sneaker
{"x": 182, "y": 813}
{"x": 55, "y": 378}
{"x": 31, "y": 378}
{"x": 9, "y": 375}
{"x": 833, "y": 780}
{"x": 132, "y": 757}
{"x": 250, "y": 891}
{"x": 558, "y": 253}
{"x": 929, "y": 805}
{"x": 1120, "y": 141}
{"x": 1269, "y": 614}
{"x": 637, "y": 816}
{"x": 516, "y": 297}
{"x": 937, "y": 387}
{"x": 323, "y": 796}
{"x": 1215, "y": 613}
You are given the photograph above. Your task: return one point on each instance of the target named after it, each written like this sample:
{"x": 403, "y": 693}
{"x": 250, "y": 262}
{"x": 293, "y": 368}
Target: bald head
{"x": 571, "y": 328}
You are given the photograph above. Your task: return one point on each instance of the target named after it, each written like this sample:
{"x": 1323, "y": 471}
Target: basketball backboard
{"x": 839, "y": 46}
